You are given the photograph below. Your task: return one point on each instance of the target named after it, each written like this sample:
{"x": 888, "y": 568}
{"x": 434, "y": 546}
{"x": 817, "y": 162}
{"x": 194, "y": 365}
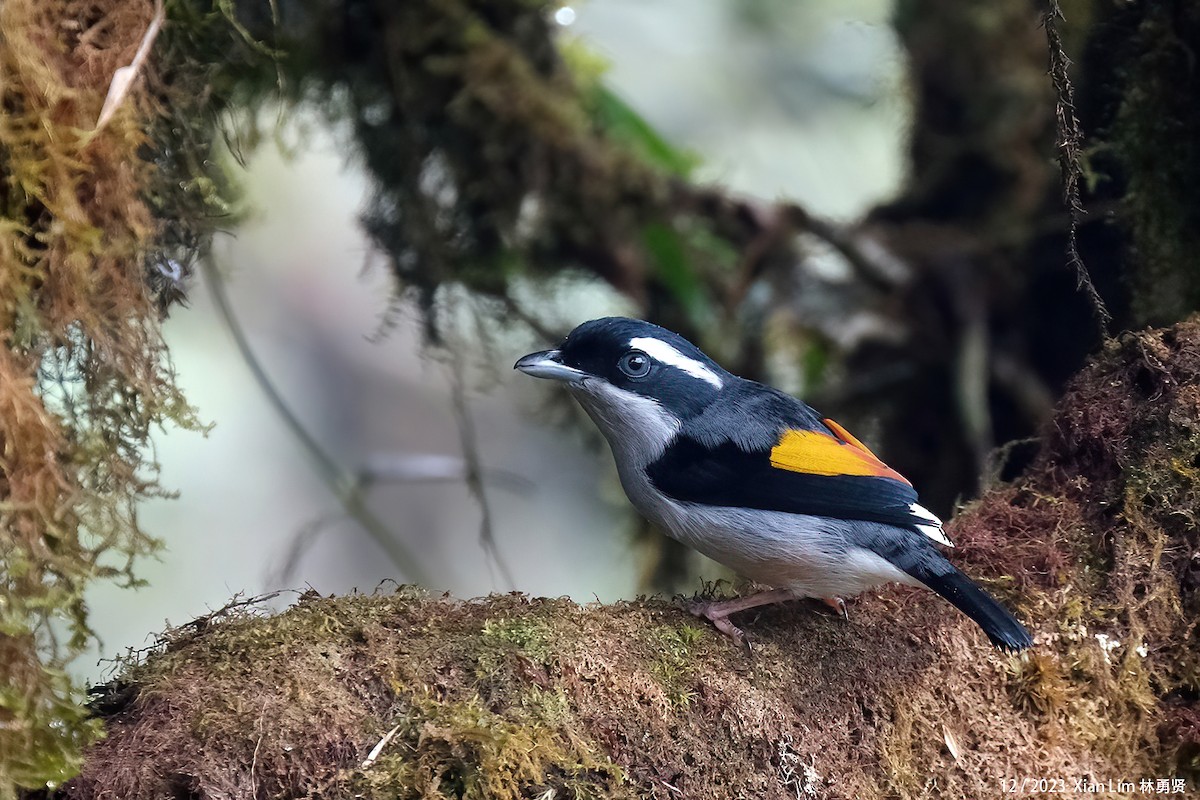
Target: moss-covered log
{"x": 511, "y": 697}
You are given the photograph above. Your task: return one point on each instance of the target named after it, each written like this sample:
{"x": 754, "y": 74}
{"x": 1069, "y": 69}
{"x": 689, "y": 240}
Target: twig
{"x": 342, "y": 483}
{"x": 1070, "y": 135}
{"x": 300, "y": 544}
{"x": 201, "y": 623}
{"x": 262, "y": 716}
{"x": 373, "y": 756}
{"x": 998, "y": 459}
{"x": 474, "y": 473}
{"x": 123, "y": 77}
{"x": 434, "y": 468}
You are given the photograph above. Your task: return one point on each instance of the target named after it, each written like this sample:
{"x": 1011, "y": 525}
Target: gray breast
{"x": 812, "y": 556}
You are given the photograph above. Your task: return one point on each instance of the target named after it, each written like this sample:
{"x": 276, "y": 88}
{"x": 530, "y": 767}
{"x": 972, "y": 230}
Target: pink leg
{"x": 718, "y": 612}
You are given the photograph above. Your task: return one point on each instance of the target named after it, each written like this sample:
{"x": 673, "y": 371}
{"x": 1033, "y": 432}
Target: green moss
{"x": 673, "y": 663}
{"x": 334, "y": 676}
{"x": 463, "y": 750}
{"x": 528, "y": 634}
{"x": 550, "y": 706}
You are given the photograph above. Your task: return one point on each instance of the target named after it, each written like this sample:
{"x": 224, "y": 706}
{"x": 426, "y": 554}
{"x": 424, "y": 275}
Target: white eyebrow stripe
{"x": 667, "y": 354}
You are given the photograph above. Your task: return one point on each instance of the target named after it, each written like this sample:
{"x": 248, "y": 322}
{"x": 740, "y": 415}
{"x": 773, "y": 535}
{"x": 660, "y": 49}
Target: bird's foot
{"x": 712, "y": 612}
{"x": 717, "y": 612}
{"x": 838, "y": 605}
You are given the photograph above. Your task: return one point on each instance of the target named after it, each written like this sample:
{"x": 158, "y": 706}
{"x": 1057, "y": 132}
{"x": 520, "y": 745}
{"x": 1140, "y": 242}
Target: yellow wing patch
{"x": 817, "y": 453}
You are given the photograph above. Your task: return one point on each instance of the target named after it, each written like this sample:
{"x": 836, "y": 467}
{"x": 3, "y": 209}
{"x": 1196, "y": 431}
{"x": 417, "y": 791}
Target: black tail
{"x": 999, "y": 625}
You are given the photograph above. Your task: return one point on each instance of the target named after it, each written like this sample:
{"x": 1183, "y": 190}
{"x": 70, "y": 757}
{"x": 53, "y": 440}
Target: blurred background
{"x": 774, "y": 100}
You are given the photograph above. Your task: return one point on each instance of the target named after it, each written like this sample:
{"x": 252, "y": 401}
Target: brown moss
{"x": 1101, "y": 535}
{"x": 292, "y": 704}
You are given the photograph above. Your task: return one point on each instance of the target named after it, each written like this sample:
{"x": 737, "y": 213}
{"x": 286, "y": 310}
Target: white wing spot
{"x": 667, "y": 354}
{"x": 934, "y": 529}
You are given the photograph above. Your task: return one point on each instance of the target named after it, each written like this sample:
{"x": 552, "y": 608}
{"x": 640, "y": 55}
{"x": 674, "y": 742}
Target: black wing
{"x": 726, "y": 474}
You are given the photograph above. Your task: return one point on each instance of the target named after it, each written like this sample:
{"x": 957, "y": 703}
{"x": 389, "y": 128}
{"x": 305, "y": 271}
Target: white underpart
{"x": 667, "y": 354}
{"x": 934, "y": 529}
{"x": 809, "y": 555}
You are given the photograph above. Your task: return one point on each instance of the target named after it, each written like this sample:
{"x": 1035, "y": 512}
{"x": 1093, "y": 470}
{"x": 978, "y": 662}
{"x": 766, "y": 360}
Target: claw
{"x": 838, "y": 605}
{"x": 712, "y": 613}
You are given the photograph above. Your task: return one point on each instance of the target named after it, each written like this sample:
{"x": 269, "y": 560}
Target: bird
{"x": 756, "y": 479}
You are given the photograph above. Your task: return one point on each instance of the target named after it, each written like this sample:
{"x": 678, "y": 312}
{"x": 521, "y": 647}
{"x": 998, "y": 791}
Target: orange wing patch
{"x": 847, "y": 437}
{"x": 817, "y": 453}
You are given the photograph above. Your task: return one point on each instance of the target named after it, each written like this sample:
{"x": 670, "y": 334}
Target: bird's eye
{"x": 635, "y": 364}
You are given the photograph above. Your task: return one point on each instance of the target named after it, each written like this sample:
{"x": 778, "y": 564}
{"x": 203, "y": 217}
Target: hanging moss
{"x": 98, "y": 231}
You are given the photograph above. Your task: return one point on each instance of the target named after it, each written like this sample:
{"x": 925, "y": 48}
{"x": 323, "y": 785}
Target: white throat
{"x": 638, "y": 429}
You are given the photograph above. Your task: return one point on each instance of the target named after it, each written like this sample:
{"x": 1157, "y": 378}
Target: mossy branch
{"x": 1070, "y": 140}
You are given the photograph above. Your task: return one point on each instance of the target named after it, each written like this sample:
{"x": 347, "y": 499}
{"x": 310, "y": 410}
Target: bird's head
{"x": 629, "y": 373}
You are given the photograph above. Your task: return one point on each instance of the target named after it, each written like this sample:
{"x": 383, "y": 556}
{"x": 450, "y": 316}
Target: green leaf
{"x": 630, "y": 128}
{"x": 672, "y": 267}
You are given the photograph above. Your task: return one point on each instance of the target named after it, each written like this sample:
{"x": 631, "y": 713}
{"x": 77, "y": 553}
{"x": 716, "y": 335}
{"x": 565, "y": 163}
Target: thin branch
{"x": 434, "y": 468}
{"x": 123, "y": 77}
{"x": 760, "y": 229}
{"x": 848, "y": 245}
{"x": 341, "y": 483}
{"x": 1070, "y": 136}
{"x": 474, "y": 474}
{"x": 300, "y": 544}
{"x": 202, "y": 622}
